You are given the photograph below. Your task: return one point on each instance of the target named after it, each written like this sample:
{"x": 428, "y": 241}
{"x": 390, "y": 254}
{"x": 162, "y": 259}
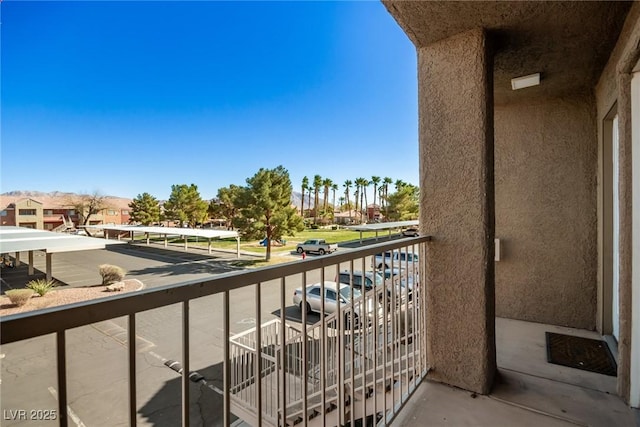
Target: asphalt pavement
{"x": 97, "y": 353}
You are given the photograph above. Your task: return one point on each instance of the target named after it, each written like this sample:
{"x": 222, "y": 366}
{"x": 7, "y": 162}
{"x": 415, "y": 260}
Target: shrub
{"x": 111, "y": 274}
{"x": 19, "y": 297}
{"x": 41, "y": 286}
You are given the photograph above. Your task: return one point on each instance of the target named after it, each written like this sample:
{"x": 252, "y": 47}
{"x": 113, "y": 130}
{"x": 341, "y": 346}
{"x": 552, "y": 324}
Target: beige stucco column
{"x": 457, "y": 208}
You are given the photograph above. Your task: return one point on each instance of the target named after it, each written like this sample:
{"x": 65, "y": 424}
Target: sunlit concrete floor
{"x": 529, "y": 391}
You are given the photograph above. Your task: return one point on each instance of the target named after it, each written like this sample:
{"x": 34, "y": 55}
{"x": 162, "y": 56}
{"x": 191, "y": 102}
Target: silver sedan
{"x": 331, "y": 290}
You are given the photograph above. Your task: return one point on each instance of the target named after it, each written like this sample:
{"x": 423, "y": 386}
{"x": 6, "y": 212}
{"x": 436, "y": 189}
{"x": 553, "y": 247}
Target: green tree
{"x": 225, "y": 205}
{"x": 403, "y": 204}
{"x": 145, "y": 209}
{"x": 265, "y": 207}
{"x": 186, "y": 205}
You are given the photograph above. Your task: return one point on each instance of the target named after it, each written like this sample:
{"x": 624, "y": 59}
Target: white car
{"x": 410, "y": 232}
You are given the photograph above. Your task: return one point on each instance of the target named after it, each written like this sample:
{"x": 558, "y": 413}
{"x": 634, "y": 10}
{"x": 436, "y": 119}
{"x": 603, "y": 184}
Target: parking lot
{"x": 96, "y": 364}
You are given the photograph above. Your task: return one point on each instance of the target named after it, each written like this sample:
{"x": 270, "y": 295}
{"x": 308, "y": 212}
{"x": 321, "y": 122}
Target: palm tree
{"x": 305, "y": 186}
{"x": 317, "y": 183}
{"x": 386, "y": 181}
{"x": 334, "y": 188}
{"x": 365, "y": 185}
{"x": 361, "y": 185}
{"x": 375, "y": 180}
{"x": 341, "y": 200}
{"x": 326, "y": 183}
{"x": 357, "y": 195}
{"x": 347, "y": 185}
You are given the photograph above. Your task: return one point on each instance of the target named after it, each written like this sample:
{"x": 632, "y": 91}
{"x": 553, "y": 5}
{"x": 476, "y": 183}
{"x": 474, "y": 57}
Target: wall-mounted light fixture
{"x": 525, "y": 81}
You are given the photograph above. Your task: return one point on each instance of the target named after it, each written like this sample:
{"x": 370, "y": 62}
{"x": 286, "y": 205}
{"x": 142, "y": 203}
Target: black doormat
{"x": 580, "y": 353}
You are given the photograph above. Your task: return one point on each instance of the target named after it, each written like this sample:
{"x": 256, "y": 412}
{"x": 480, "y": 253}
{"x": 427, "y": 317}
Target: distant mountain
{"x": 34, "y": 194}
{"x": 52, "y": 199}
{"x": 296, "y": 199}
{"x": 59, "y": 198}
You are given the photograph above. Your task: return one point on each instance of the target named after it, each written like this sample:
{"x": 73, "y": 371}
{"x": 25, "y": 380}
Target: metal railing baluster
{"x": 226, "y": 363}
{"x": 282, "y": 386}
{"x": 61, "y": 351}
{"x": 185, "y": 363}
{"x": 305, "y": 367}
{"x": 133, "y": 406}
{"x": 258, "y": 356}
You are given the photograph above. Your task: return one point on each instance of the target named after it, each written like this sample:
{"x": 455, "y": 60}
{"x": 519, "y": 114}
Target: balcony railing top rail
{"x": 360, "y": 361}
{"x": 32, "y": 324}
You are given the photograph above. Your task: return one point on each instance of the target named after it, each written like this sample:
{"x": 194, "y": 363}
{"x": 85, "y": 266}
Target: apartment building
{"x": 54, "y": 215}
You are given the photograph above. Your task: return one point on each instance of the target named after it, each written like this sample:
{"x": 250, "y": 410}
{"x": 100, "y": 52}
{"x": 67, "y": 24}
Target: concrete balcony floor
{"x": 528, "y": 390}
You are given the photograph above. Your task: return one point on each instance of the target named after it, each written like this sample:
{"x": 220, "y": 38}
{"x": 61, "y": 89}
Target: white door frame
{"x": 634, "y": 377}
{"x": 615, "y": 202}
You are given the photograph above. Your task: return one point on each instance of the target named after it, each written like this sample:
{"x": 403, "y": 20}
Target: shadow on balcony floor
{"x": 529, "y": 391}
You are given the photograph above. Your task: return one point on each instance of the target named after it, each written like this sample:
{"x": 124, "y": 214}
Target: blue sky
{"x": 123, "y": 98}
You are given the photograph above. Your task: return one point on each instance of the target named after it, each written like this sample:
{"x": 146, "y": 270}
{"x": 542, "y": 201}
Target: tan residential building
{"x": 53, "y": 214}
{"x": 24, "y": 213}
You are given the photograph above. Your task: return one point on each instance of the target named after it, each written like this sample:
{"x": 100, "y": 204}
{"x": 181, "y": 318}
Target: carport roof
{"x": 21, "y": 239}
{"x": 383, "y": 226}
{"x": 171, "y": 231}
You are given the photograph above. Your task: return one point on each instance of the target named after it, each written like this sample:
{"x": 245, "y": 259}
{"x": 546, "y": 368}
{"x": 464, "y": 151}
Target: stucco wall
{"x": 614, "y": 89}
{"x": 545, "y": 186}
{"x": 456, "y": 174}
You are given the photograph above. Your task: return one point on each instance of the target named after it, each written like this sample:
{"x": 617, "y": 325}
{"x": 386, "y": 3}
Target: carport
{"x": 165, "y": 232}
{"x": 20, "y": 239}
{"x": 397, "y": 225}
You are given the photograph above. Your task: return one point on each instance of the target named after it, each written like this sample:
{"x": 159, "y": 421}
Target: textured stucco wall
{"x": 614, "y": 89}
{"x": 456, "y": 181}
{"x": 545, "y": 184}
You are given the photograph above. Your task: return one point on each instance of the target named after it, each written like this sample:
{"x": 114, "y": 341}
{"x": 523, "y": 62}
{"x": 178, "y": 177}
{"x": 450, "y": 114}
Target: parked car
{"x": 357, "y": 278}
{"x": 398, "y": 258}
{"x": 400, "y": 276}
{"x": 319, "y": 246}
{"x": 410, "y": 232}
{"x": 331, "y": 290}
{"x": 390, "y": 277}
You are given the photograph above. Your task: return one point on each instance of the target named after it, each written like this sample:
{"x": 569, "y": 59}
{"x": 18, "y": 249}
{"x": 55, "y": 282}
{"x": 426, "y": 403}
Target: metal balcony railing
{"x": 361, "y": 362}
